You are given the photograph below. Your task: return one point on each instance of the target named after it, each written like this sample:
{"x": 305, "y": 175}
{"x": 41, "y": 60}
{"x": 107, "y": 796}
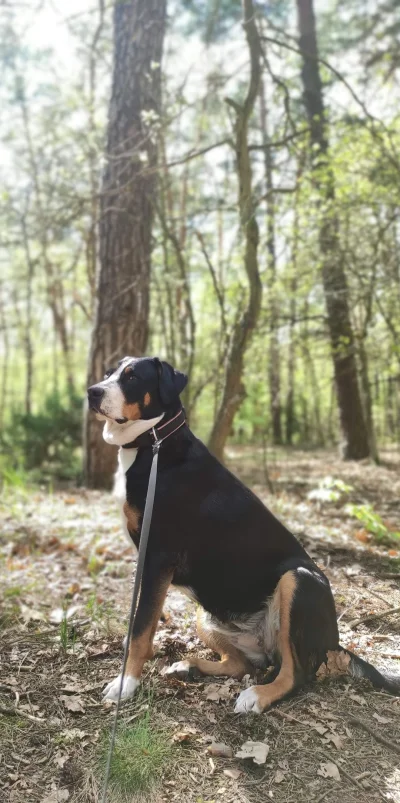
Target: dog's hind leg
{"x": 307, "y": 630}
{"x": 233, "y": 662}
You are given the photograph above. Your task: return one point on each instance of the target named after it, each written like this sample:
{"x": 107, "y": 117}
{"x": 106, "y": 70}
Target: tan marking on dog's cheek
{"x": 147, "y": 399}
{"x": 131, "y": 411}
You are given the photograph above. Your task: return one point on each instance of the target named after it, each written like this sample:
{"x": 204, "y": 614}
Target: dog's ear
{"x": 170, "y": 382}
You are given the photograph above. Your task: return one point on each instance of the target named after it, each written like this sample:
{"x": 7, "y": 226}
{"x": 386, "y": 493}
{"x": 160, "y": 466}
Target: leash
{"x": 144, "y": 537}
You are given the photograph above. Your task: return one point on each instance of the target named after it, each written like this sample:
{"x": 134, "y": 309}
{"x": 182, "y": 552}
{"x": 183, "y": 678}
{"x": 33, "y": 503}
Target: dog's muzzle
{"x": 95, "y": 395}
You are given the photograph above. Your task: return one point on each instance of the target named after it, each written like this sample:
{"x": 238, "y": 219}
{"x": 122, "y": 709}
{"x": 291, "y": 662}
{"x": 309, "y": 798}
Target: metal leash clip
{"x": 157, "y": 443}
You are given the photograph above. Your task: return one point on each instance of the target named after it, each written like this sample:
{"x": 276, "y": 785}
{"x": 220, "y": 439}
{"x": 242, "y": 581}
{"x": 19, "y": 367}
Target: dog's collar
{"x": 158, "y": 434}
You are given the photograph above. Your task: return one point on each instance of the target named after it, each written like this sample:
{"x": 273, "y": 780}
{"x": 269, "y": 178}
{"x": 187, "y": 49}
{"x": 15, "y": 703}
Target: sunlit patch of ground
{"x": 64, "y": 594}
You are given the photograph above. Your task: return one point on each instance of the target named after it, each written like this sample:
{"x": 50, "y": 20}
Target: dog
{"x": 261, "y": 599}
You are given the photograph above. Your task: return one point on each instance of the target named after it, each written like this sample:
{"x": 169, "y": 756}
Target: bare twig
{"x": 16, "y": 712}
{"x": 381, "y": 739}
{"x": 371, "y": 616}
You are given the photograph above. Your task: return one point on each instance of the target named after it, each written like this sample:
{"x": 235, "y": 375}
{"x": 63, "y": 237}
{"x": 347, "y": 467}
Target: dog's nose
{"x": 94, "y": 394}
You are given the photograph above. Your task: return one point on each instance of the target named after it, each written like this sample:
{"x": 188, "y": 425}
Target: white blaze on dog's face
{"x": 134, "y": 396}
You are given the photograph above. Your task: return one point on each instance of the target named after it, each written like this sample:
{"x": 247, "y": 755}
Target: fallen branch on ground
{"x": 370, "y": 616}
{"x": 387, "y": 742}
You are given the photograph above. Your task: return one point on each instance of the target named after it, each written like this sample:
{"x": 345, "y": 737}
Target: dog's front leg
{"x": 155, "y": 582}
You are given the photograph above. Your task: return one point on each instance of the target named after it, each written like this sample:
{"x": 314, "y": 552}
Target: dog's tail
{"x": 358, "y": 668}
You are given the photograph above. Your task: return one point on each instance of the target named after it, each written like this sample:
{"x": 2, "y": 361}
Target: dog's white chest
{"x": 126, "y": 458}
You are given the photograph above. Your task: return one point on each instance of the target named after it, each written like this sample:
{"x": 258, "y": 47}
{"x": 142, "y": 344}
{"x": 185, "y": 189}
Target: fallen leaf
{"x": 363, "y": 536}
{"x": 216, "y": 692}
{"x": 73, "y": 703}
{"x": 58, "y": 614}
{"x": 279, "y": 776}
{"x": 258, "y": 751}
{"x": 335, "y": 739}
{"x": 220, "y": 749}
{"x": 337, "y": 663}
{"x": 56, "y": 796}
{"x": 329, "y": 770}
{"x": 184, "y": 735}
{"x": 235, "y": 774}
{"x": 60, "y": 760}
{"x": 72, "y": 735}
{"x": 381, "y": 720}
{"x": 29, "y": 614}
{"x": 317, "y": 726}
{"x": 358, "y": 699}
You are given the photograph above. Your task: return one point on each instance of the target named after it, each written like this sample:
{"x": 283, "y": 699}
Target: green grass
{"x": 142, "y": 753}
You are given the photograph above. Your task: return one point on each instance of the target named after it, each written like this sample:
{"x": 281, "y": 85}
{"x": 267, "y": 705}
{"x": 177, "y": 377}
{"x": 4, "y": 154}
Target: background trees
{"x": 126, "y": 207}
{"x": 323, "y": 363}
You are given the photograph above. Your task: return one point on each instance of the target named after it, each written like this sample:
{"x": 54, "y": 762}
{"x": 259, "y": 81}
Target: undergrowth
{"x": 143, "y": 752}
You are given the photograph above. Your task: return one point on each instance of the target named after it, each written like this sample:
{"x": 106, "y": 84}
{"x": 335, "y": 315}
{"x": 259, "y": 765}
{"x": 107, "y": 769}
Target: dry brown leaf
{"x": 358, "y": 699}
{"x": 73, "y": 703}
{"x": 279, "y": 776}
{"x": 335, "y": 739}
{"x": 329, "y": 770}
{"x": 220, "y": 749}
{"x": 337, "y": 663}
{"x": 184, "y": 735}
{"x": 233, "y": 773}
{"x": 381, "y": 720}
{"x": 317, "y": 726}
{"x": 258, "y": 751}
{"x": 56, "y": 796}
{"x": 60, "y": 759}
{"x": 217, "y": 692}
{"x": 72, "y": 735}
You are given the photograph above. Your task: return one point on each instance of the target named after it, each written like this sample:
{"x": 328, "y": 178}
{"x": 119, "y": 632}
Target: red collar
{"x": 159, "y": 433}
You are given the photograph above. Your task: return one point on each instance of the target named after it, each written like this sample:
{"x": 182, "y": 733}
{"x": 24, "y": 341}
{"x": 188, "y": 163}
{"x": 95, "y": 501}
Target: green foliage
{"x": 142, "y": 753}
{"x": 372, "y": 522}
{"x": 44, "y": 443}
{"x": 330, "y": 490}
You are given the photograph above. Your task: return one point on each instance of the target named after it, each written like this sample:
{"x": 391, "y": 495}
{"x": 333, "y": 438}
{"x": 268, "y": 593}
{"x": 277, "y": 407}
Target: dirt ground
{"x": 65, "y": 570}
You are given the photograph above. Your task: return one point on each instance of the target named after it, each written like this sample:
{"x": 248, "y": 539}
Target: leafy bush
{"x": 372, "y": 522}
{"x": 45, "y": 443}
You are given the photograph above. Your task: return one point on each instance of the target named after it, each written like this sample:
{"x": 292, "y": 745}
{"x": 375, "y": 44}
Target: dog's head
{"x": 139, "y": 388}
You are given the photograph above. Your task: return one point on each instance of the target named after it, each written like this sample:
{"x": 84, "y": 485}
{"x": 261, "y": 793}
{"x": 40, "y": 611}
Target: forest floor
{"x": 65, "y": 586}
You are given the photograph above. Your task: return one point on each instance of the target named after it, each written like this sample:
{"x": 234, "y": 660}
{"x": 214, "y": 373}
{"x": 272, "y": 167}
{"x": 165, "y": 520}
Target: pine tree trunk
{"x": 233, "y": 393}
{"x": 126, "y": 215}
{"x": 274, "y": 366}
{"x": 355, "y": 436}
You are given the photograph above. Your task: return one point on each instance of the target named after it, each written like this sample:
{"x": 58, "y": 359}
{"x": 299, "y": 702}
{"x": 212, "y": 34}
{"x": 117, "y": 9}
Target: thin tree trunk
{"x": 274, "y": 366}
{"x": 5, "y": 359}
{"x": 233, "y": 394}
{"x": 127, "y": 203}
{"x": 28, "y": 322}
{"x": 355, "y": 437}
{"x": 367, "y": 399}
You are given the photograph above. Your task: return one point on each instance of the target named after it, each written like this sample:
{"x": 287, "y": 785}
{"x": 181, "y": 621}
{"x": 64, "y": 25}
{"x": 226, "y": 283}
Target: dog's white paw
{"x": 248, "y": 701}
{"x": 129, "y": 687}
{"x": 180, "y": 668}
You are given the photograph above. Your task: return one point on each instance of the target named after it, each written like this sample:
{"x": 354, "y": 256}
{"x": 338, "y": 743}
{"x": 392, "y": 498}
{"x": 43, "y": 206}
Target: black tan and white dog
{"x": 262, "y": 600}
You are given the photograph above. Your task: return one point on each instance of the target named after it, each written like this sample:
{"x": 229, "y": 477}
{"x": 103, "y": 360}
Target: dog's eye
{"x": 108, "y": 373}
{"x": 131, "y": 376}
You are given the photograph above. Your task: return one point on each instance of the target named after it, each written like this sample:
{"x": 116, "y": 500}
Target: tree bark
{"x": 355, "y": 436}
{"x": 126, "y": 208}
{"x": 233, "y": 390}
{"x": 274, "y": 366}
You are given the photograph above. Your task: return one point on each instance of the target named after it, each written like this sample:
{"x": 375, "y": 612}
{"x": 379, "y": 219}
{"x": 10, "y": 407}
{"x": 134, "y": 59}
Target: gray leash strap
{"x": 144, "y": 537}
